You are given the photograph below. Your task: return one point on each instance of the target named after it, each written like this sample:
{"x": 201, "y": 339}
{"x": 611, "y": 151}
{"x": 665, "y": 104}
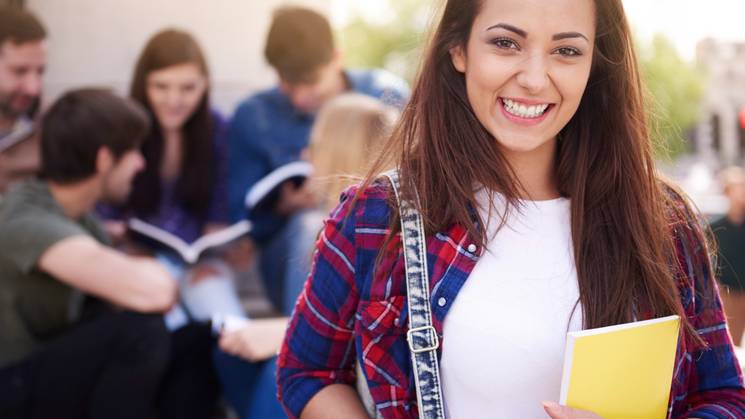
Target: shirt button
{"x": 396, "y": 321}
{"x": 442, "y": 301}
{"x": 472, "y": 248}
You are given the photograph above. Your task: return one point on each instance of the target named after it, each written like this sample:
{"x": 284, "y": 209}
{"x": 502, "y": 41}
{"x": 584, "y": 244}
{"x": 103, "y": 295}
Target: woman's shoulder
{"x": 690, "y": 237}
{"x": 367, "y": 202}
{"x": 679, "y": 208}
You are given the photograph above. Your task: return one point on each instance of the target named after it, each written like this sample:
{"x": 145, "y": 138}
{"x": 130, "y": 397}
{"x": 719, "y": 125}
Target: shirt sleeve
{"x": 319, "y": 349}
{"x": 27, "y": 237}
{"x": 246, "y": 162}
{"x": 715, "y": 382}
{"x": 218, "y": 210}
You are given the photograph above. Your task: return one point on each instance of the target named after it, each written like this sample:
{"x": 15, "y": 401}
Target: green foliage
{"x": 675, "y": 88}
{"x": 395, "y": 44}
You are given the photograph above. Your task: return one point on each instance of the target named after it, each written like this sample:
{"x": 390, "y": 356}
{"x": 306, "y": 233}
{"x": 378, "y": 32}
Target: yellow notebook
{"x": 621, "y": 371}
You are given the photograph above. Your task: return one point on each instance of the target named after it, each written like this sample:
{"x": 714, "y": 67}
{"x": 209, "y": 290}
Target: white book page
{"x": 191, "y": 253}
{"x": 173, "y": 241}
{"x": 270, "y": 181}
{"x": 221, "y": 237}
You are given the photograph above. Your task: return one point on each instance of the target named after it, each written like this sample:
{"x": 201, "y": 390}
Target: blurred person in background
{"x": 23, "y": 59}
{"x": 730, "y": 235}
{"x": 183, "y": 190}
{"x": 348, "y": 134}
{"x": 272, "y": 127}
{"x": 81, "y": 333}
{"x": 347, "y": 137}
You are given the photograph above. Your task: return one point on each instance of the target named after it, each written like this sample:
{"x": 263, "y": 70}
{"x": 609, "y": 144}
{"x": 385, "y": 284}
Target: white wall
{"x": 96, "y": 42}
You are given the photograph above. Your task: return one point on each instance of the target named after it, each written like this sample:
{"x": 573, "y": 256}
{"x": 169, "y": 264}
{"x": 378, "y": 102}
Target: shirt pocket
{"x": 383, "y": 352}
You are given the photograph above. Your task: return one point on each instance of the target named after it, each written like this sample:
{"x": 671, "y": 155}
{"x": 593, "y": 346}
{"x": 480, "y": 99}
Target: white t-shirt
{"x": 504, "y": 336}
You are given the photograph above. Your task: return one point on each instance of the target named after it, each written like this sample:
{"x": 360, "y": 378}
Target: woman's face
{"x": 526, "y": 66}
{"x": 174, "y": 93}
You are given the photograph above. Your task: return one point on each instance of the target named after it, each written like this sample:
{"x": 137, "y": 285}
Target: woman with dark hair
{"x": 525, "y": 149}
{"x": 183, "y": 190}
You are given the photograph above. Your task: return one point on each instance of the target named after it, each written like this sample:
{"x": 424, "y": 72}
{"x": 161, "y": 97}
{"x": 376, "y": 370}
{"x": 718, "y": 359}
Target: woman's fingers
{"x": 557, "y": 411}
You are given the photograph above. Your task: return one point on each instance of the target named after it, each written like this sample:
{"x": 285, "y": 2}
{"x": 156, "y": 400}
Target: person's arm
{"x": 138, "y": 284}
{"x": 337, "y": 401}
{"x": 715, "y": 382}
{"x": 246, "y": 163}
{"x": 258, "y": 340}
{"x": 316, "y": 351}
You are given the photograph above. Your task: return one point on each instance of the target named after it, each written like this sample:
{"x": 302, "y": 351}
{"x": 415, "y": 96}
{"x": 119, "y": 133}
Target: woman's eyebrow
{"x": 524, "y": 34}
{"x": 510, "y": 28}
{"x": 565, "y": 35}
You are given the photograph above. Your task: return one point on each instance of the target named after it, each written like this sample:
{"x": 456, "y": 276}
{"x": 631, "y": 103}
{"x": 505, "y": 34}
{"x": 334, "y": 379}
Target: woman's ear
{"x": 458, "y": 57}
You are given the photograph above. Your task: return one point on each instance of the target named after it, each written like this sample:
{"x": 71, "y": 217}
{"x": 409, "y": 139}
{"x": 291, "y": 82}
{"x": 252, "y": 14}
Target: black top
{"x": 731, "y": 253}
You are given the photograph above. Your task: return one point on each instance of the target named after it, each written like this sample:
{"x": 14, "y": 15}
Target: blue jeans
{"x": 249, "y": 387}
{"x": 285, "y": 260}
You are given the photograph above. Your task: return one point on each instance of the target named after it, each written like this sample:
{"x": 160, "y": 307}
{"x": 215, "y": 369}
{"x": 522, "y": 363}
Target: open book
{"x": 264, "y": 194}
{"x": 622, "y": 371}
{"x": 190, "y": 253}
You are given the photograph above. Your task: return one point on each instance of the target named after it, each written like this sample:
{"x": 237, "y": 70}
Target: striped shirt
{"x": 353, "y": 308}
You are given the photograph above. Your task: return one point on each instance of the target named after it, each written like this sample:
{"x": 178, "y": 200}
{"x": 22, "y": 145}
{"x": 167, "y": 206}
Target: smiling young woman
{"x": 525, "y": 145}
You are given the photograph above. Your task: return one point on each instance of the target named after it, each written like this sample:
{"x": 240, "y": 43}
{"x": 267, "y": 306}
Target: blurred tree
{"x": 675, "y": 88}
{"x": 394, "y": 44}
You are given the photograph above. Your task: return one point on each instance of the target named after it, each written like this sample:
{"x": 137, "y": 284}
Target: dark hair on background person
{"x": 300, "y": 41}
{"x": 168, "y": 48}
{"x": 81, "y": 122}
{"x": 19, "y": 26}
{"x": 620, "y": 208}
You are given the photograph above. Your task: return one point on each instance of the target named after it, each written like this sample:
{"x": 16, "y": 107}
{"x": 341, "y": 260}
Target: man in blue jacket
{"x": 272, "y": 127}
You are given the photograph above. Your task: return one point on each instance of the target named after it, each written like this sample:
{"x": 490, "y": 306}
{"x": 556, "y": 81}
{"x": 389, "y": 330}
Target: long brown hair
{"x": 168, "y": 48}
{"x": 623, "y": 246}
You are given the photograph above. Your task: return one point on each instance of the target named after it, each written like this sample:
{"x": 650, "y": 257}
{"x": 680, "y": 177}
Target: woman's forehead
{"x": 538, "y": 16}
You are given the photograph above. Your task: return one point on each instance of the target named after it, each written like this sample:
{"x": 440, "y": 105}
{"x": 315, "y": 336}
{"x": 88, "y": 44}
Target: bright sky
{"x": 685, "y": 22}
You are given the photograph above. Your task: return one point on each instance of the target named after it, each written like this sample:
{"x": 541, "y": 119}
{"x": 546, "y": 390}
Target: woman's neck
{"x": 536, "y": 172}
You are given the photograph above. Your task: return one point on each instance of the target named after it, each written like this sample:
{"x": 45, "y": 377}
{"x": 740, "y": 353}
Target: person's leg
{"x": 108, "y": 367}
{"x": 272, "y": 268}
{"x": 190, "y": 387}
{"x": 250, "y": 388}
{"x": 216, "y": 293}
{"x": 285, "y": 260}
{"x": 302, "y": 230}
{"x": 237, "y": 378}
{"x": 264, "y": 402}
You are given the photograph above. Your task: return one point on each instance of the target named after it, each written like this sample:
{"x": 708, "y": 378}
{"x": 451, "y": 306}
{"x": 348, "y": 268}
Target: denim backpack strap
{"x": 421, "y": 336}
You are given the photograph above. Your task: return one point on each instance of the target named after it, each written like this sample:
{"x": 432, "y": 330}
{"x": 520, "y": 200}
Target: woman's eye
{"x": 505, "y": 43}
{"x": 569, "y": 52}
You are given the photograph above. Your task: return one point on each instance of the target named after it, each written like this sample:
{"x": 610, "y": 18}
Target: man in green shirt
{"x": 730, "y": 234}
{"x": 81, "y": 333}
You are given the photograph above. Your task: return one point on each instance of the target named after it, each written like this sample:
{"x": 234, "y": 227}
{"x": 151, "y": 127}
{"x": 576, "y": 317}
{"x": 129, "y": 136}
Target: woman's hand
{"x": 557, "y": 411}
{"x": 256, "y": 341}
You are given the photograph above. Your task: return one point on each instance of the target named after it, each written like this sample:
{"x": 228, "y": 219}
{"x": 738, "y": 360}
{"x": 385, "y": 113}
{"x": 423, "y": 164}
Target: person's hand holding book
{"x": 295, "y": 198}
{"x": 557, "y": 411}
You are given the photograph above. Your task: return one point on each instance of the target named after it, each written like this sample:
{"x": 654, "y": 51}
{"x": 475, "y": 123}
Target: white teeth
{"x": 522, "y": 110}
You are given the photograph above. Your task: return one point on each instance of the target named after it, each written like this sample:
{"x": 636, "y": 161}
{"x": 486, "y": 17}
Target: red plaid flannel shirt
{"x": 350, "y": 311}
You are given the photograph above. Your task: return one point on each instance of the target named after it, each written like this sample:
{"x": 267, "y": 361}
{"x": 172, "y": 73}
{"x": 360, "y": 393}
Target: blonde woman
{"x": 348, "y": 135}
